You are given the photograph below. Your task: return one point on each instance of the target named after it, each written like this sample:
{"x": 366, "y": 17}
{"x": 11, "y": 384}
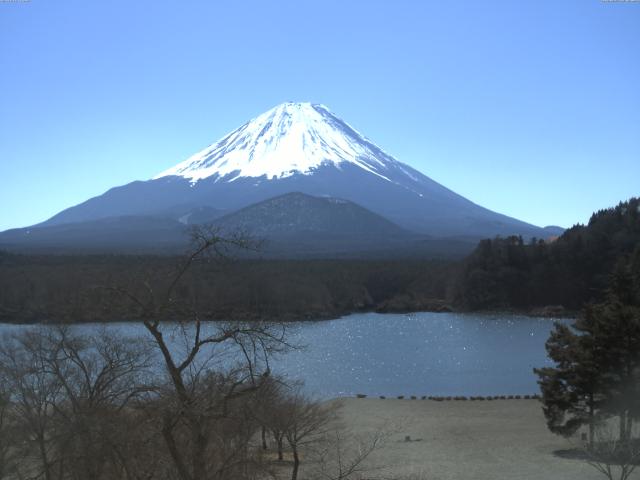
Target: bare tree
{"x": 270, "y": 413}
{"x": 344, "y": 456}
{"x": 306, "y": 422}
{"x": 67, "y": 393}
{"x": 613, "y": 457}
{"x": 217, "y": 365}
{"x": 92, "y": 406}
{"x": 8, "y": 460}
{"x": 99, "y": 376}
{"x": 34, "y": 394}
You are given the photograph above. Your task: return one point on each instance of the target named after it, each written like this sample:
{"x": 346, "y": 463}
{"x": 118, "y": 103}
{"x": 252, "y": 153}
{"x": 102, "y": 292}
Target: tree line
{"x": 571, "y": 271}
{"x": 501, "y": 274}
{"x": 70, "y": 288}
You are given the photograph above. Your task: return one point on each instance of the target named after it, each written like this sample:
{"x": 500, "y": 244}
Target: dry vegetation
{"x": 77, "y": 406}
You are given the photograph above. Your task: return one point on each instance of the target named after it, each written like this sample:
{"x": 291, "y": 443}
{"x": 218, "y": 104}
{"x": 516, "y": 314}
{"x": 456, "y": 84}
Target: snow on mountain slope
{"x": 288, "y": 139}
{"x": 299, "y": 147}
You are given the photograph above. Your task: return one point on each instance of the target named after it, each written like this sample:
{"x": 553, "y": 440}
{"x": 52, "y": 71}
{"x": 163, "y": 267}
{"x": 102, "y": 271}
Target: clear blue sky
{"x": 531, "y": 108}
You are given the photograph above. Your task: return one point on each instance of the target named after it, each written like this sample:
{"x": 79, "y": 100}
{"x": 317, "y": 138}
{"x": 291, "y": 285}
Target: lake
{"x": 411, "y": 354}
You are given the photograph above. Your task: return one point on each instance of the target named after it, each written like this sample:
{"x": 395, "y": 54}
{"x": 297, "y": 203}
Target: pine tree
{"x": 614, "y": 327}
{"x": 570, "y": 391}
{"x": 597, "y": 372}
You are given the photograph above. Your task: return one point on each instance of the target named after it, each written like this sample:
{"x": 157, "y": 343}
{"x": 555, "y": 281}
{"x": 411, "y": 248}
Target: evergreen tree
{"x": 572, "y": 270}
{"x": 571, "y": 390}
{"x": 597, "y": 372}
{"x": 614, "y": 328}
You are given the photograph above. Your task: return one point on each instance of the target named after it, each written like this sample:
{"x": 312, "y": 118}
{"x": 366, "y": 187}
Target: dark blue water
{"x": 411, "y": 354}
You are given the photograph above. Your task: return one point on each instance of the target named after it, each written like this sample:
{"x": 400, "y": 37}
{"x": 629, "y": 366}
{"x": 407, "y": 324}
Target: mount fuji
{"x": 294, "y": 147}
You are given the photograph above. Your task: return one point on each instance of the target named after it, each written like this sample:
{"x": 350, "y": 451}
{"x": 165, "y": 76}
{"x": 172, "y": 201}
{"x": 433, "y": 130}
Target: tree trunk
{"x": 296, "y": 464}
{"x": 623, "y": 426}
{"x": 199, "y": 450}
{"x": 264, "y": 438}
{"x": 591, "y": 421}
{"x": 280, "y": 449}
{"x": 44, "y": 457}
{"x": 174, "y": 452}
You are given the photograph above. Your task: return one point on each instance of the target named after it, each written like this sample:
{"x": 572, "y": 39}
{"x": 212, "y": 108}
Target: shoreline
{"x": 445, "y": 398}
{"x": 532, "y": 313}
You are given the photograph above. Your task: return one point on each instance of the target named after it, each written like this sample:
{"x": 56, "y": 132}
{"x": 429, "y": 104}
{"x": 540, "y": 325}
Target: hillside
{"x": 293, "y": 225}
{"x": 570, "y": 271}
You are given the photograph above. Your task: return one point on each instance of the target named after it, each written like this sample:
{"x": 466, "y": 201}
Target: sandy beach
{"x": 452, "y": 440}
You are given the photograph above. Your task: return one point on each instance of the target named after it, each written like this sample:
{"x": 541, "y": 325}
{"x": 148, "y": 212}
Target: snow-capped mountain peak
{"x": 298, "y": 147}
{"x": 291, "y": 138}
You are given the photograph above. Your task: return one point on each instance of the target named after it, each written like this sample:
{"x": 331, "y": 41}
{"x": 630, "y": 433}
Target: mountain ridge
{"x": 293, "y": 225}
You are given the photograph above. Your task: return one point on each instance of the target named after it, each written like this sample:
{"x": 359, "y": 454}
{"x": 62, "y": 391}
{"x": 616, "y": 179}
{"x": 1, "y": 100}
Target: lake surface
{"x": 410, "y": 354}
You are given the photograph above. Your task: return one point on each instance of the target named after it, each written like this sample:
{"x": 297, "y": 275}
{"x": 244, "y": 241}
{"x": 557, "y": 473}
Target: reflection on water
{"x": 420, "y": 354}
{"x": 410, "y": 354}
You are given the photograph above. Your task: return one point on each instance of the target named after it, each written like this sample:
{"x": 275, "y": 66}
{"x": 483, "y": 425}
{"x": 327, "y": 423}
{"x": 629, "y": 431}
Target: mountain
{"x": 129, "y": 234}
{"x": 294, "y": 225}
{"x": 160, "y": 233}
{"x": 296, "y": 213}
{"x": 300, "y": 147}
